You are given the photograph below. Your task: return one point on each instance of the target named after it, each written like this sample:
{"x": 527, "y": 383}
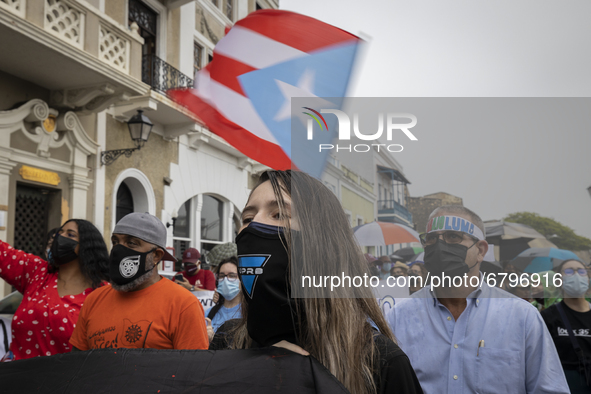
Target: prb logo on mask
{"x": 129, "y": 266}
{"x": 345, "y": 130}
{"x": 249, "y": 268}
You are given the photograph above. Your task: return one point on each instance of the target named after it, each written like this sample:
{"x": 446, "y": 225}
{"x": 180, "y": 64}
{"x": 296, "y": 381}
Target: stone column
{"x": 198, "y": 203}
{"x": 228, "y": 235}
{"x": 78, "y": 189}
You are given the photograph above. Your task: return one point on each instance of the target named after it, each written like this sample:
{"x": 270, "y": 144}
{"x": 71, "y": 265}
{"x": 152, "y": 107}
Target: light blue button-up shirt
{"x": 517, "y": 356}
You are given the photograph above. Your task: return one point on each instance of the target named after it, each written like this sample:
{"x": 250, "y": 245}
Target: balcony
{"x": 389, "y": 209}
{"x": 174, "y": 119}
{"x": 85, "y": 58}
{"x": 161, "y": 76}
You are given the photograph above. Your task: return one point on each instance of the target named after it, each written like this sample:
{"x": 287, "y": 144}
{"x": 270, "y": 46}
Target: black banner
{"x": 265, "y": 370}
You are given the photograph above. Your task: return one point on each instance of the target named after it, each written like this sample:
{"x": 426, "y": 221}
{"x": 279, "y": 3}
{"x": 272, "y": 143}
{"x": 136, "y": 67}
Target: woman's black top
{"x": 580, "y": 323}
{"x": 394, "y": 374}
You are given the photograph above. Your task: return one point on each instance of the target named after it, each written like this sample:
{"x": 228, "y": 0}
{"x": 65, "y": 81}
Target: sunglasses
{"x": 571, "y": 272}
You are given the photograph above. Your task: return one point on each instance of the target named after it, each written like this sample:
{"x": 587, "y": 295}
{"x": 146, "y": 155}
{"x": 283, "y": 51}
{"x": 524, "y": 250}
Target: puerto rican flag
{"x": 244, "y": 94}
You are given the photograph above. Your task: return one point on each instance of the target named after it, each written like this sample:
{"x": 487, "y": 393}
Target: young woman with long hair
{"x": 53, "y": 291}
{"x": 230, "y": 296}
{"x": 293, "y": 228}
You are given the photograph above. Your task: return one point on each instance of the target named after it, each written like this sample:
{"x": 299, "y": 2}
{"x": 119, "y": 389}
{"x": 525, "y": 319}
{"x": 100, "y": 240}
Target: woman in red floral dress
{"x": 53, "y": 292}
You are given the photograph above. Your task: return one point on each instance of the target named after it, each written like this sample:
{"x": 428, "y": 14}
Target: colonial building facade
{"x": 72, "y": 74}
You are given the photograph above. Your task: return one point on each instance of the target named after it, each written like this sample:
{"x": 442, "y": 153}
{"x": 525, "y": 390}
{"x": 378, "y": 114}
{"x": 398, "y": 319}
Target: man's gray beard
{"x": 131, "y": 286}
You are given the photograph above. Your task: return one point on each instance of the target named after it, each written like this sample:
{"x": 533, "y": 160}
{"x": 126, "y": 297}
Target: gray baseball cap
{"x": 145, "y": 227}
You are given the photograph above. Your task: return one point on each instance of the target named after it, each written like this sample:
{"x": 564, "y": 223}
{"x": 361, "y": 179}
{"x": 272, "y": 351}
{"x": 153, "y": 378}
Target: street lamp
{"x": 174, "y": 216}
{"x": 139, "y": 130}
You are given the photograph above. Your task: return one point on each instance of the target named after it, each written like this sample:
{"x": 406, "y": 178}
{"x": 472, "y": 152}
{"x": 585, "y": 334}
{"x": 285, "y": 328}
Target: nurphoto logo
{"x": 392, "y": 124}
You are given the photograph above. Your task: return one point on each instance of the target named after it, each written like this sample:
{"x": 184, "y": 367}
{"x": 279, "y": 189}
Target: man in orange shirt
{"x": 140, "y": 309}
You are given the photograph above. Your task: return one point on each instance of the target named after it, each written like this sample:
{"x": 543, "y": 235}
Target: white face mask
{"x": 229, "y": 289}
{"x": 575, "y": 285}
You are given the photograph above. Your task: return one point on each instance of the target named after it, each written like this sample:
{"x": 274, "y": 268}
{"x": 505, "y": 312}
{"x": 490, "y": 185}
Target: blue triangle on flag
{"x": 323, "y": 73}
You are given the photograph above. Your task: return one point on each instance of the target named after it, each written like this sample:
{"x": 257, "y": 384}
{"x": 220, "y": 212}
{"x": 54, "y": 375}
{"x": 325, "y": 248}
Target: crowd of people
{"x": 469, "y": 338}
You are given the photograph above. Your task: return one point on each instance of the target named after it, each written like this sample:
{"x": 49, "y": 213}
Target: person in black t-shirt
{"x": 575, "y": 282}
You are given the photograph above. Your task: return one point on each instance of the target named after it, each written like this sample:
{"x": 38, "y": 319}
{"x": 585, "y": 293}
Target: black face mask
{"x": 263, "y": 266}
{"x": 126, "y": 265}
{"x": 449, "y": 259}
{"x": 190, "y": 268}
{"x": 63, "y": 250}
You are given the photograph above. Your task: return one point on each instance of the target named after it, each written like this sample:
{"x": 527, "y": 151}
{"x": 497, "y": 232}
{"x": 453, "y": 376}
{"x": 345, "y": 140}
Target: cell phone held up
{"x": 178, "y": 277}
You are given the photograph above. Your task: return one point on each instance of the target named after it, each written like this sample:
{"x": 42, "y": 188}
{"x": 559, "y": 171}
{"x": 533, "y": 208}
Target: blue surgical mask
{"x": 229, "y": 289}
{"x": 575, "y": 285}
{"x": 386, "y": 266}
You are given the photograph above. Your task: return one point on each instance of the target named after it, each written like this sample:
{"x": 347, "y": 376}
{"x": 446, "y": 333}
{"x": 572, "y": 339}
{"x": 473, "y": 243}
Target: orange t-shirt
{"x": 161, "y": 316}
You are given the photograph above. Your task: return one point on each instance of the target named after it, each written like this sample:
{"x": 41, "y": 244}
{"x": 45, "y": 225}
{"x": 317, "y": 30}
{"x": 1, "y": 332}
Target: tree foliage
{"x": 566, "y": 237}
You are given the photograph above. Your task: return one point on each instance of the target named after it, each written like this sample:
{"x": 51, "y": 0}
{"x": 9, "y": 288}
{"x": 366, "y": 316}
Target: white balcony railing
{"x": 17, "y": 7}
{"x": 113, "y": 49}
{"x": 65, "y": 21}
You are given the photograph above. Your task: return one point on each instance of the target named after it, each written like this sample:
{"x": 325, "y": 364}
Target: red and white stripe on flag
{"x": 263, "y": 39}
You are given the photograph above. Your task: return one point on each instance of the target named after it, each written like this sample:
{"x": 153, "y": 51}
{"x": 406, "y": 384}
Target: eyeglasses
{"x": 231, "y": 276}
{"x": 450, "y": 237}
{"x": 570, "y": 272}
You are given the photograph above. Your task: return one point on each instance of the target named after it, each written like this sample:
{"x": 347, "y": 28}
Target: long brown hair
{"x": 336, "y": 328}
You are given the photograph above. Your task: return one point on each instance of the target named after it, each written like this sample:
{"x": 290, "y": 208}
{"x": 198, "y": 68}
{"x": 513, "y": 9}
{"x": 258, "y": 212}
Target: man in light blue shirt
{"x": 465, "y": 336}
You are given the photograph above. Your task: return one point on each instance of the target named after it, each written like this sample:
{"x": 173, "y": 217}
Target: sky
{"x": 502, "y": 49}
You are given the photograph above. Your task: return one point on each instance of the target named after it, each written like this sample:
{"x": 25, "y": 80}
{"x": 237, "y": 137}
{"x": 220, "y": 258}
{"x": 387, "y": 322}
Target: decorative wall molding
{"x": 172, "y": 4}
{"x": 30, "y": 118}
{"x": 101, "y": 103}
{"x": 65, "y": 21}
{"x": 204, "y": 25}
{"x": 32, "y": 111}
{"x": 123, "y": 111}
{"x": 76, "y": 135}
{"x": 79, "y": 182}
{"x": 74, "y": 98}
{"x": 173, "y": 131}
{"x": 6, "y": 165}
{"x": 91, "y": 99}
{"x": 197, "y": 140}
{"x": 242, "y": 163}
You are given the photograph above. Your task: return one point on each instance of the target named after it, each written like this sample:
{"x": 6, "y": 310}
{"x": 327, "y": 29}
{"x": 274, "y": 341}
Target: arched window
{"x": 212, "y": 215}
{"x": 203, "y": 222}
{"x": 181, "y": 240}
{"x": 124, "y": 201}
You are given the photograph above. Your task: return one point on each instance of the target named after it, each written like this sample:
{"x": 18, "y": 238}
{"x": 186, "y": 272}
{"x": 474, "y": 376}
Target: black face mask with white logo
{"x": 449, "y": 259}
{"x": 126, "y": 265}
{"x": 263, "y": 267}
{"x": 62, "y": 251}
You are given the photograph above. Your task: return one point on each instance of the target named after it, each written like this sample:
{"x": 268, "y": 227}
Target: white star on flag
{"x": 304, "y": 88}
